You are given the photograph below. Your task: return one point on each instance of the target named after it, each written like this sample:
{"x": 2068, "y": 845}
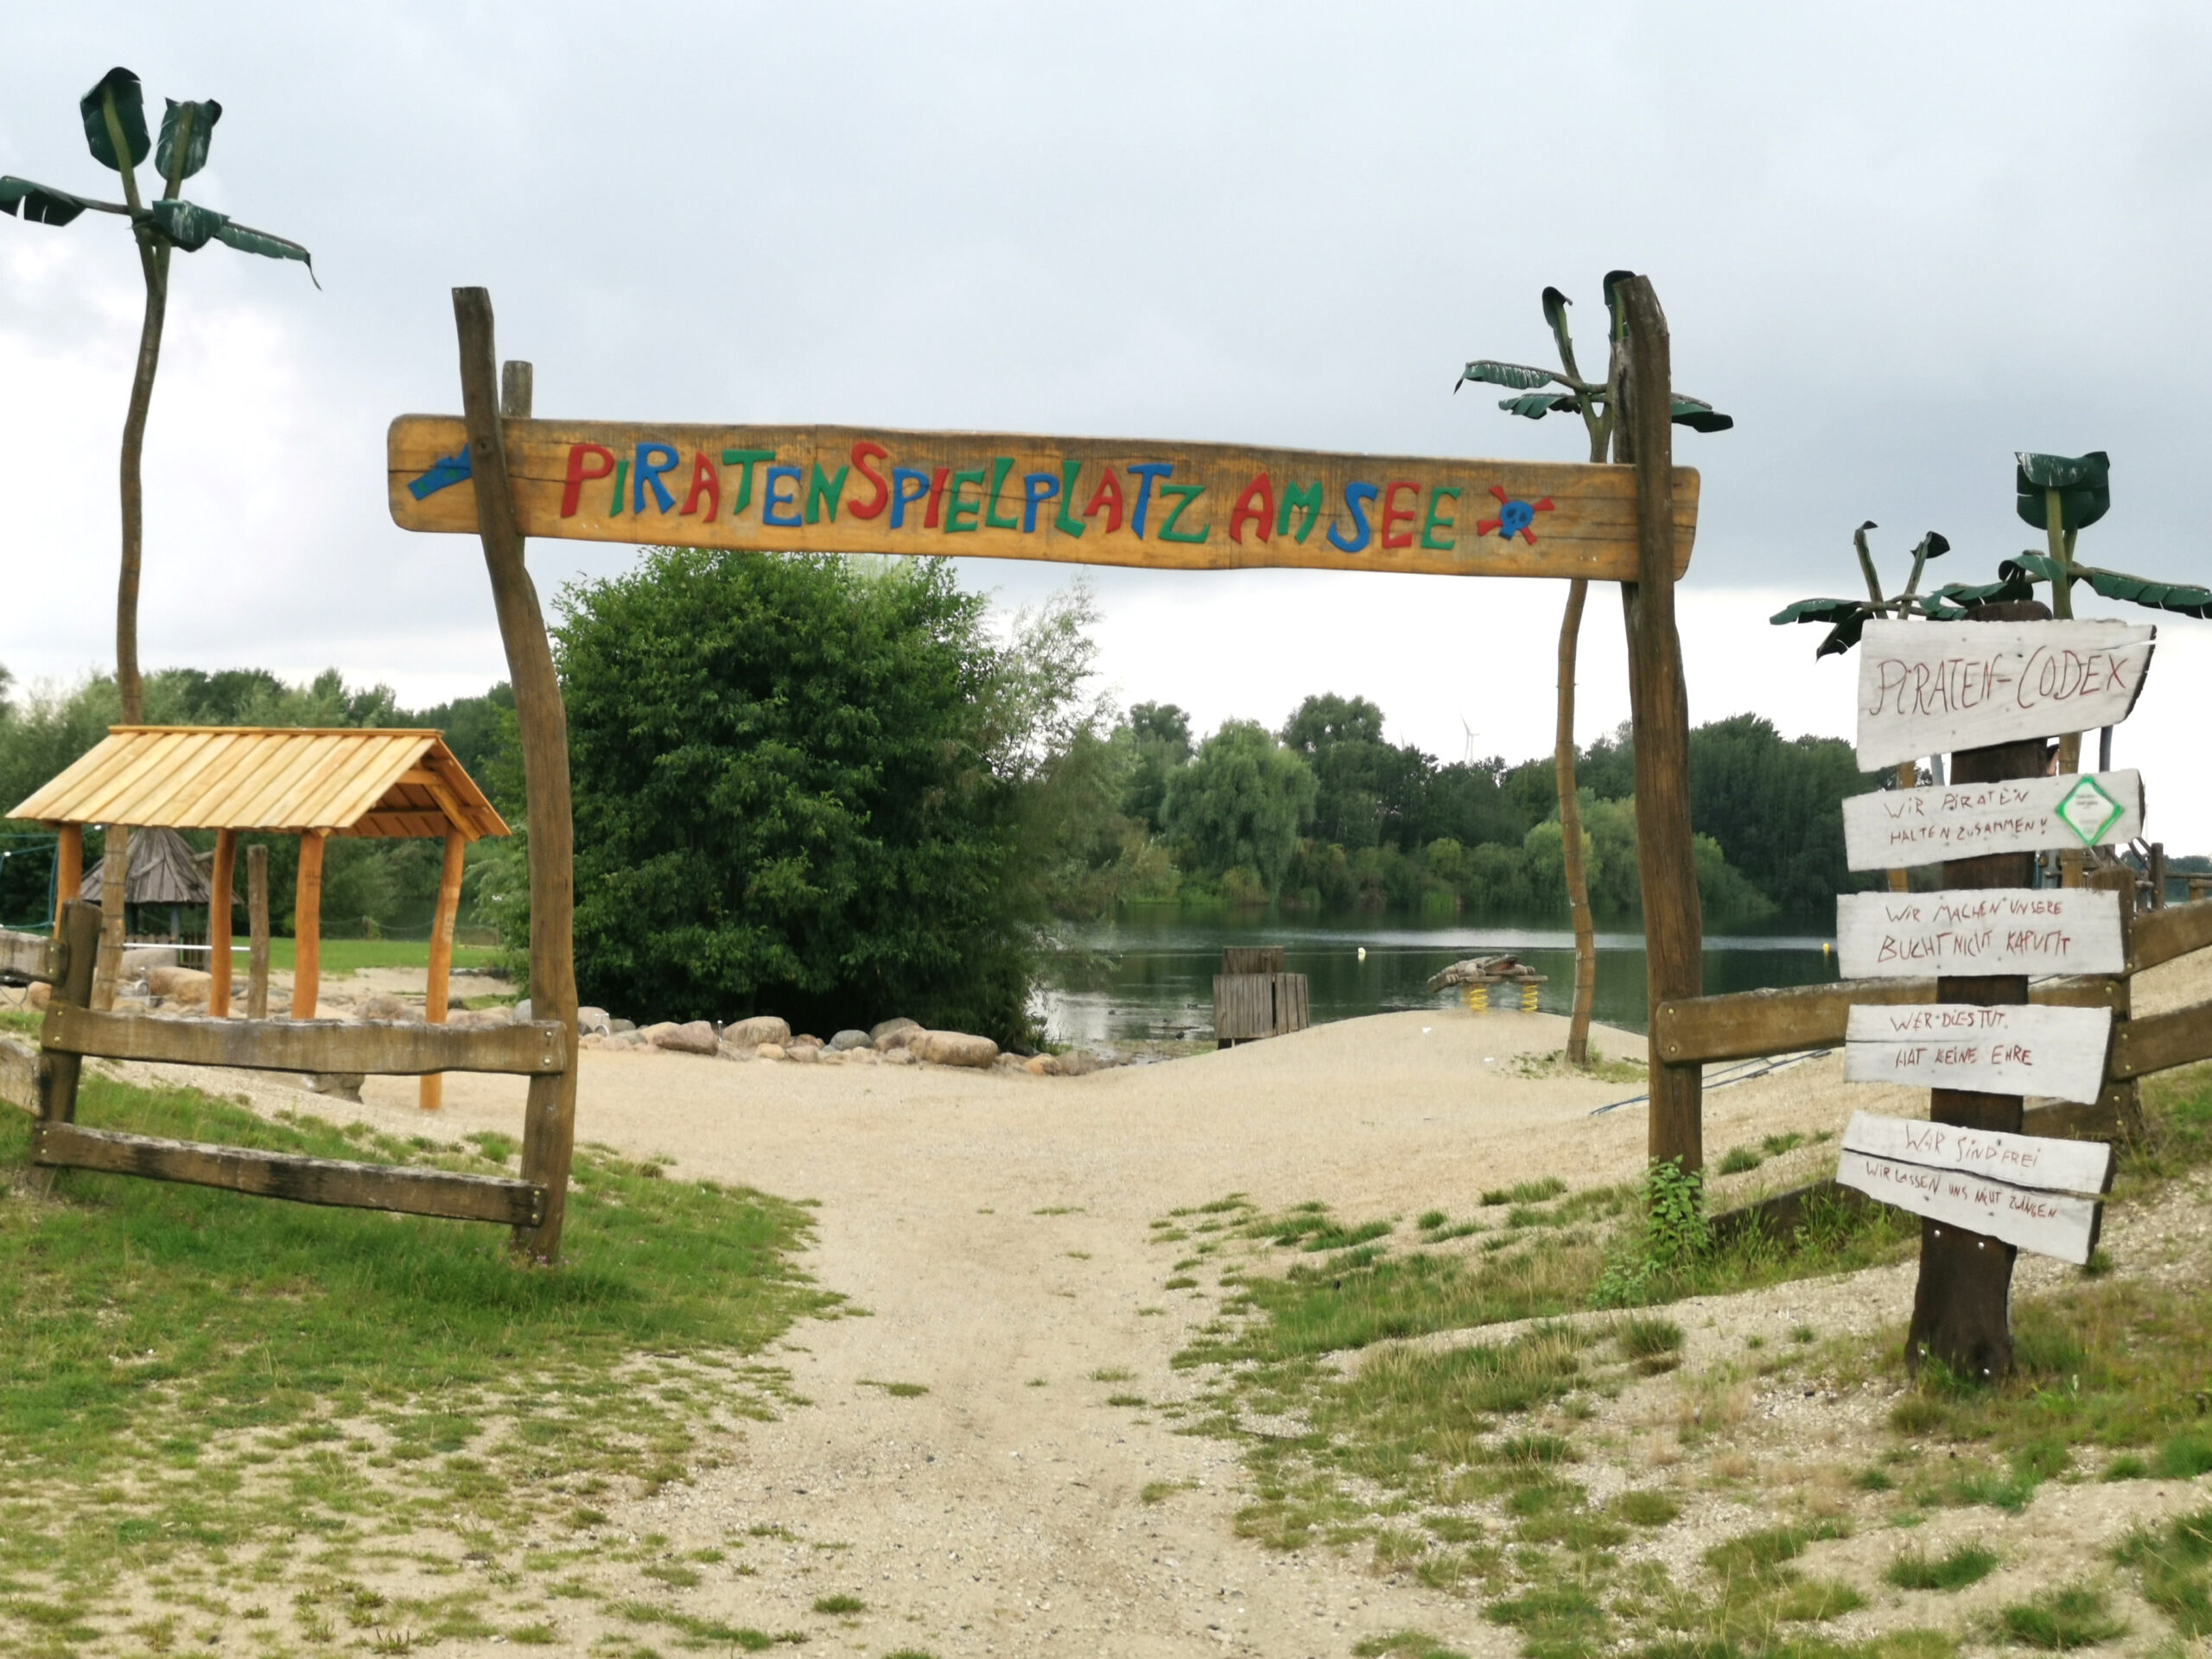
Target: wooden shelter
{"x": 313, "y": 784}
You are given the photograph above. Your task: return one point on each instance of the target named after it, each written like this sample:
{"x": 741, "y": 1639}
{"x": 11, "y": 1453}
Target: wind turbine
{"x": 1468, "y": 758}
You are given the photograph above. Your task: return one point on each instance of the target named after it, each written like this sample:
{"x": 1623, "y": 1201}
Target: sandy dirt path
{"x": 995, "y": 1229}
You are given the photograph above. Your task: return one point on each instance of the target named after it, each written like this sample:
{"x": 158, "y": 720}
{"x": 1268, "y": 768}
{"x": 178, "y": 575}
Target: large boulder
{"x": 953, "y": 1048}
{"x": 845, "y": 1039}
{"x": 761, "y": 1028}
{"x": 694, "y": 1037}
{"x": 141, "y": 958}
{"x": 883, "y": 1028}
{"x": 651, "y": 1034}
{"x": 899, "y": 1039}
{"x": 384, "y": 1007}
{"x": 1043, "y": 1066}
{"x": 178, "y": 984}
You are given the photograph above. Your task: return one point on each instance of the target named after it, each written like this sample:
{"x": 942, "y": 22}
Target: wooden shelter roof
{"x": 346, "y": 781}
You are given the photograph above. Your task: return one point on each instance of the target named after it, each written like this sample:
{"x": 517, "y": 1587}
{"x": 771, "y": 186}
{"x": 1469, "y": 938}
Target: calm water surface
{"x": 1148, "y": 974}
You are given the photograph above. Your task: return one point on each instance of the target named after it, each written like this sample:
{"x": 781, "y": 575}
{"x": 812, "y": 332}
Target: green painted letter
{"x": 1435, "y": 524}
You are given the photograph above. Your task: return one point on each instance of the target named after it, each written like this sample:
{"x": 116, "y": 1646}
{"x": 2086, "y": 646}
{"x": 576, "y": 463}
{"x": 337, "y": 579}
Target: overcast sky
{"x": 1897, "y": 243}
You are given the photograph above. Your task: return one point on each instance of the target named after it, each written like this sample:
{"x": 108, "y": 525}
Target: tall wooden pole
{"x": 548, "y": 1130}
{"x": 68, "y": 869}
{"x": 307, "y": 928}
{"x": 1674, "y": 925}
{"x": 115, "y": 903}
{"x": 1570, "y": 827}
{"x": 219, "y": 923}
{"x": 256, "y": 923}
{"x": 437, "y": 987}
{"x": 1962, "y": 1309}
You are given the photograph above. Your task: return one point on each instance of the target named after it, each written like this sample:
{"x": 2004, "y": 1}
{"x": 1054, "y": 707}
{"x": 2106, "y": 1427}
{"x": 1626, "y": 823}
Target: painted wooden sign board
{"x": 1930, "y": 688}
{"x": 1979, "y": 930}
{"x": 2058, "y": 1053}
{"x": 1886, "y": 828}
{"x": 837, "y": 489}
{"x": 2024, "y": 1190}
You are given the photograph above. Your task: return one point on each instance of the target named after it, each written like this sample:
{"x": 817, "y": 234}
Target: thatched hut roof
{"x": 164, "y": 870}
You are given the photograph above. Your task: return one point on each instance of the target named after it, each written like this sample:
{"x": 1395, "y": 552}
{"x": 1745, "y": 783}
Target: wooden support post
{"x": 307, "y": 927}
{"x": 2117, "y": 1113}
{"x": 115, "y": 902}
{"x": 219, "y": 923}
{"x": 548, "y": 1130}
{"x": 68, "y": 869}
{"x": 1961, "y": 1308}
{"x": 435, "y": 990}
{"x": 2158, "y": 874}
{"x": 81, "y": 944}
{"x": 257, "y": 922}
{"x": 1674, "y": 926}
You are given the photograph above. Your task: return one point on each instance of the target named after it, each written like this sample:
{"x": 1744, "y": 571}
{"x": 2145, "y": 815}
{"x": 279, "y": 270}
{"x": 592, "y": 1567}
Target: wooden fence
{"x": 45, "y": 1084}
{"x": 1689, "y": 1030}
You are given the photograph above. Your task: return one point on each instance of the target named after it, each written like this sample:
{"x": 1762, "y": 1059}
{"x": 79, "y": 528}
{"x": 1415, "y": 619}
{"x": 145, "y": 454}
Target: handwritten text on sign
{"x": 834, "y": 489}
{"x": 1929, "y": 688}
{"x": 1979, "y": 930}
{"x": 2058, "y": 1053}
{"x": 1886, "y": 828}
{"x": 2020, "y": 1189}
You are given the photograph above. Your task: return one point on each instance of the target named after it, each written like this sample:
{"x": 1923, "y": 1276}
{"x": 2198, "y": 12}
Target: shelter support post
{"x": 1659, "y": 704}
{"x": 58, "y": 1073}
{"x": 549, "y": 1126}
{"x": 115, "y": 903}
{"x": 68, "y": 869}
{"x": 307, "y": 927}
{"x": 219, "y": 923}
{"x": 257, "y": 922}
{"x": 435, "y": 992}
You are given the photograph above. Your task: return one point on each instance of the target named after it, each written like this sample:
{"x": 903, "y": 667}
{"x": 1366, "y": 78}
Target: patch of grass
{"x": 289, "y": 1371}
{"x": 1058, "y": 1210}
{"x": 1159, "y": 1491}
{"x": 1404, "y": 1644}
{"x": 896, "y": 1390}
{"x": 1737, "y": 1161}
{"x": 1133, "y": 1399}
{"x": 1757, "y": 1554}
{"x": 1648, "y": 1338}
{"x": 1113, "y": 1374}
{"x": 2174, "y": 1564}
{"x": 839, "y": 1604}
{"x": 1601, "y": 1069}
{"x": 1644, "y": 1508}
{"x": 1525, "y": 1192}
{"x": 1967, "y": 1564}
{"x": 1431, "y": 1220}
{"x": 2073, "y": 1615}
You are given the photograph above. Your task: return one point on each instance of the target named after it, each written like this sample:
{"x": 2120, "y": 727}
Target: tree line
{"x": 839, "y": 789}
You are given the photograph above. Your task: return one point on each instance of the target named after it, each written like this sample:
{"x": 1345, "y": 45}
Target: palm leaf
{"x": 2183, "y": 598}
{"x": 43, "y": 204}
{"x": 1537, "y": 404}
{"x": 246, "y": 239}
{"x": 131, "y": 115}
{"x": 1518, "y": 375}
{"x": 2084, "y": 483}
{"x": 1699, "y": 416}
{"x": 195, "y": 150}
{"x": 1818, "y": 610}
{"x": 1842, "y": 637}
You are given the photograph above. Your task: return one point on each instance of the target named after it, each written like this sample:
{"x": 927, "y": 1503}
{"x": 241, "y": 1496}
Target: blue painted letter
{"x": 771, "y": 502}
{"x": 1036, "y": 488}
{"x": 902, "y": 497}
{"x": 1149, "y": 471}
{"x": 1357, "y": 496}
{"x": 648, "y": 473}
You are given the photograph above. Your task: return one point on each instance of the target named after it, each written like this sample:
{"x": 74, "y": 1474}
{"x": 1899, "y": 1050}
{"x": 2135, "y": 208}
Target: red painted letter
{"x": 1395, "y": 514}
{"x": 1257, "y": 506}
{"x": 864, "y": 452}
{"x": 706, "y": 481}
{"x": 1107, "y": 495}
{"x": 935, "y": 515}
{"x": 578, "y": 477}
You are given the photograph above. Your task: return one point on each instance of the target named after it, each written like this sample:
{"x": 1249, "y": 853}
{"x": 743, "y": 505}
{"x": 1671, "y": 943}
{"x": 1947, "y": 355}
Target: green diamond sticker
{"x": 2089, "y": 812}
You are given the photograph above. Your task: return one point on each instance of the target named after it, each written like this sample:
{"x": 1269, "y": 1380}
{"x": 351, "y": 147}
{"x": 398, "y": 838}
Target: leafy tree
{"x": 1157, "y": 739}
{"x": 1774, "y": 807}
{"x": 1464, "y": 803}
{"x": 797, "y": 791}
{"x": 1242, "y": 802}
{"x": 1367, "y": 792}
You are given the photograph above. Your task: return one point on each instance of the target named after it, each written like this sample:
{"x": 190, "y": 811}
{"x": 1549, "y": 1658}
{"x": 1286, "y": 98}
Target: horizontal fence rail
{"x": 319, "y": 1045}
{"x": 1746, "y": 1024}
{"x": 285, "y": 1175}
{"x": 2158, "y": 1042}
{"x": 18, "y": 1075}
{"x": 29, "y": 955}
{"x": 2162, "y": 935}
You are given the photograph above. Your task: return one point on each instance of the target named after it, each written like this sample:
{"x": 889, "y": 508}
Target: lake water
{"x": 1148, "y": 974}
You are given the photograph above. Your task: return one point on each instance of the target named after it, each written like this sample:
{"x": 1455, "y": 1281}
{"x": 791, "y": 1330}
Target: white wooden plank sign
{"x": 1929, "y": 688}
{"x": 2058, "y": 1053}
{"x": 1946, "y": 1178}
{"x": 1887, "y": 829}
{"x": 1979, "y": 930}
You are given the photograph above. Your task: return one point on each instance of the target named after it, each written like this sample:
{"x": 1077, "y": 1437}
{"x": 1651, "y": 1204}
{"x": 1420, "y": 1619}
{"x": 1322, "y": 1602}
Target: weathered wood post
{"x": 219, "y": 923}
{"x": 549, "y": 1129}
{"x": 58, "y": 1073}
{"x": 115, "y": 902}
{"x": 1961, "y": 1308}
{"x": 256, "y": 923}
{"x": 436, "y": 989}
{"x": 307, "y": 928}
{"x": 1674, "y": 926}
{"x": 68, "y": 869}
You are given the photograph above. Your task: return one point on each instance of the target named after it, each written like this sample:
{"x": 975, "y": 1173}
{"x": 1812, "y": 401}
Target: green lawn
{"x": 342, "y": 956}
{"x": 190, "y": 1374}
